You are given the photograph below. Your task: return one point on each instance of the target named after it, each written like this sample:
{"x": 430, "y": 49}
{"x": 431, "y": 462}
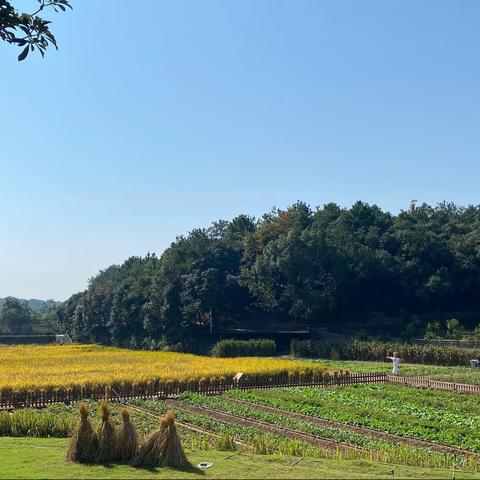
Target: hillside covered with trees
{"x": 27, "y": 317}
{"x": 293, "y": 268}
{"x": 33, "y": 303}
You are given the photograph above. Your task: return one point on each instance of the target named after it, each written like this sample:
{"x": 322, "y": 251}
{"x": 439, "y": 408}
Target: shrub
{"x": 454, "y": 329}
{"x": 476, "y": 333}
{"x": 376, "y": 350}
{"x": 432, "y": 330}
{"x": 244, "y": 348}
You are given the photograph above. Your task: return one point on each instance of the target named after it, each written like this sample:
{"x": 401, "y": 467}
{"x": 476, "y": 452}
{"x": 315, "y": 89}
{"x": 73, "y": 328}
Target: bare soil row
{"x": 437, "y": 447}
{"x": 328, "y": 443}
{"x": 263, "y": 426}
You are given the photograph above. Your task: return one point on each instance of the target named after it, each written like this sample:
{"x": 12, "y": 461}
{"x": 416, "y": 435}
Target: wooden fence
{"x": 10, "y": 400}
{"x": 428, "y": 382}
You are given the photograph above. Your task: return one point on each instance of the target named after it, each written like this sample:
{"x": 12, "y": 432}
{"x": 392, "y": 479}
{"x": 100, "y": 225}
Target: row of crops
{"x": 376, "y": 350}
{"x": 58, "y": 420}
{"x": 442, "y": 417}
{"x": 27, "y": 367}
{"x": 261, "y": 442}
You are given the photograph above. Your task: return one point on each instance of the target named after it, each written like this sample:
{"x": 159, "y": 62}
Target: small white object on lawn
{"x": 204, "y": 465}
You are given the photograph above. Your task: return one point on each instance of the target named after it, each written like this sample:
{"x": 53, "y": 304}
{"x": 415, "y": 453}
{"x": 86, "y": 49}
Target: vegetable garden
{"x": 375, "y": 422}
{"x": 246, "y": 427}
{"x": 440, "y": 417}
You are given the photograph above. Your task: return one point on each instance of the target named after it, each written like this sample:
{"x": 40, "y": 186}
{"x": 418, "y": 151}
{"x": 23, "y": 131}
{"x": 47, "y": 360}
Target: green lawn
{"x": 44, "y": 459}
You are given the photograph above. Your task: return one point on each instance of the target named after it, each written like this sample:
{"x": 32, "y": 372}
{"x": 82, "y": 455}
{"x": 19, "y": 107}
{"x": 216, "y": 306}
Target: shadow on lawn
{"x": 189, "y": 469}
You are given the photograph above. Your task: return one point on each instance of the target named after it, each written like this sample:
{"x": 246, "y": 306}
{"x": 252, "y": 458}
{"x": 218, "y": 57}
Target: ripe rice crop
{"x": 27, "y": 367}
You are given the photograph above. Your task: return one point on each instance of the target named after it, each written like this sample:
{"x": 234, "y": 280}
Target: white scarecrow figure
{"x": 395, "y": 361}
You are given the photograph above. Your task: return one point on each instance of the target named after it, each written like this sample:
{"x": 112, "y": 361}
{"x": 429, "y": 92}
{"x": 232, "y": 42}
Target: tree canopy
{"x": 18, "y": 317}
{"x": 294, "y": 267}
{"x": 29, "y": 31}
{"x": 15, "y": 315}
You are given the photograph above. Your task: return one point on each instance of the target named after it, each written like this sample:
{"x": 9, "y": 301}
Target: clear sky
{"x": 155, "y": 117}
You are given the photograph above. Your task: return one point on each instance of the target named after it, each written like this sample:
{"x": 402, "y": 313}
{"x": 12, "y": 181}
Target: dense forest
{"x": 27, "y": 317}
{"x": 293, "y": 268}
{"x": 33, "y": 303}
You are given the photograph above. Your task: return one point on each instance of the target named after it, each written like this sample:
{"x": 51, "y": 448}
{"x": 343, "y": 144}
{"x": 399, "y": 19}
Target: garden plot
{"x": 220, "y": 423}
{"x": 441, "y": 417}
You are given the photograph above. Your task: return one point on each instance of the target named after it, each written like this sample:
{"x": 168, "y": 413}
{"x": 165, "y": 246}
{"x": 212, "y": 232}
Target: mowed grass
{"x": 65, "y": 366}
{"x": 31, "y": 458}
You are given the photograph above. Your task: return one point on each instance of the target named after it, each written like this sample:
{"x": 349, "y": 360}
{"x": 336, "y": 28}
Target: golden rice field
{"x": 66, "y": 366}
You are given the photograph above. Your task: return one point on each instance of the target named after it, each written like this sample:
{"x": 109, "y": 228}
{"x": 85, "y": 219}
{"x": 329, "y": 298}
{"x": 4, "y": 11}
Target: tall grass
{"x": 377, "y": 351}
{"x": 35, "y": 423}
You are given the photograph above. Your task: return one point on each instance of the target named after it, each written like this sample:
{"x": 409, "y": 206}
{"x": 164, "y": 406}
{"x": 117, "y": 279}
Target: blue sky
{"x": 155, "y": 117}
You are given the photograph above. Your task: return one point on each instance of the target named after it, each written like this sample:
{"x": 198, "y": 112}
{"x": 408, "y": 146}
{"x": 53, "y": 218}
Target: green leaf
{"x": 24, "y": 53}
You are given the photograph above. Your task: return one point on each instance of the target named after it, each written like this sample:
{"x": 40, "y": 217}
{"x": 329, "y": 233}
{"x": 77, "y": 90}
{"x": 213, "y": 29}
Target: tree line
{"x": 19, "y": 317}
{"x": 291, "y": 268}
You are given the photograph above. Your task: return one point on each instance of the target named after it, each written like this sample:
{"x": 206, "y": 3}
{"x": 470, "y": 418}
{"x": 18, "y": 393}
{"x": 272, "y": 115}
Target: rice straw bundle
{"x": 107, "y": 447}
{"x": 83, "y": 444}
{"x": 127, "y": 440}
{"x": 163, "y": 448}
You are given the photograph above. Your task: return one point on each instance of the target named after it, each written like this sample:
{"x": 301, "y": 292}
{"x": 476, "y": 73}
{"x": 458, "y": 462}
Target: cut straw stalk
{"x": 107, "y": 447}
{"x": 163, "y": 448}
{"x": 127, "y": 442}
{"x": 83, "y": 444}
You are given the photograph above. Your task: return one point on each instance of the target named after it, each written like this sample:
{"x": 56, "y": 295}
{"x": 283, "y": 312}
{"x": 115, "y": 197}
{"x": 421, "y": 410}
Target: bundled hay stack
{"x": 172, "y": 454}
{"x": 163, "y": 448}
{"x": 106, "y": 441}
{"x": 83, "y": 445}
{"x": 127, "y": 442}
